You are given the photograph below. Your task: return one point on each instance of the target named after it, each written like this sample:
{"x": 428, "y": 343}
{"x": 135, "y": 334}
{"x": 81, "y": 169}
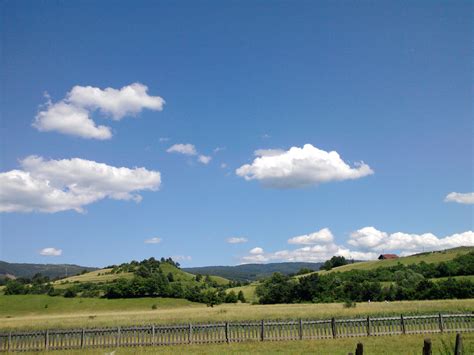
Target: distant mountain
{"x": 252, "y": 272}
{"x": 50, "y": 270}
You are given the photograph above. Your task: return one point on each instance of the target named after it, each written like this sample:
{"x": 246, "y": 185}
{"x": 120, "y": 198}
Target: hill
{"x": 51, "y": 270}
{"x": 432, "y": 257}
{"x": 253, "y": 272}
{"x": 111, "y": 274}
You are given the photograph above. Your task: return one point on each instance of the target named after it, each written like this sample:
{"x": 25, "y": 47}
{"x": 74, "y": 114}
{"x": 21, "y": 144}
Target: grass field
{"x": 386, "y": 345}
{"x": 29, "y": 312}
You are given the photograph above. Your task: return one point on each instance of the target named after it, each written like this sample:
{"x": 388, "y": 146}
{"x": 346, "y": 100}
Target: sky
{"x": 228, "y": 132}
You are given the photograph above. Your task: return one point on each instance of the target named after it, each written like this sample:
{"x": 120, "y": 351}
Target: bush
{"x": 70, "y": 293}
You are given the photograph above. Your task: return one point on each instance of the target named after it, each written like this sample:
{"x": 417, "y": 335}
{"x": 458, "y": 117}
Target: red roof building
{"x": 388, "y": 256}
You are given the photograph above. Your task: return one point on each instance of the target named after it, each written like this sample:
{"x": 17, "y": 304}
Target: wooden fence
{"x": 154, "y": 335}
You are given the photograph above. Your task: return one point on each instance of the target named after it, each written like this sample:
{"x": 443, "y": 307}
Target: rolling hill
{"x": 434, "y": 257}
{"x": 106, "y": 275}
{"x": 428, "y": 257}
{"x": 51, "y": 270}
{"x": 252, "y": 272}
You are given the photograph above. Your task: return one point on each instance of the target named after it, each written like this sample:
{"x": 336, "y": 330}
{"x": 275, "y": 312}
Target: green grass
{"x": 384, "y": 345}
{"x": 29, "y": 312}
{"x": 102, "y": 275}
{"x": 248, "y": 291}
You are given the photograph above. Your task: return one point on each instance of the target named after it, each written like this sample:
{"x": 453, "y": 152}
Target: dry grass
{"x": 138, "y": 311}
{"x": 387, "y": 345}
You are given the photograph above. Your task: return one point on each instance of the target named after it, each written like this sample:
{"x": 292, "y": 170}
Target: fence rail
{"x": 154, "y": 335}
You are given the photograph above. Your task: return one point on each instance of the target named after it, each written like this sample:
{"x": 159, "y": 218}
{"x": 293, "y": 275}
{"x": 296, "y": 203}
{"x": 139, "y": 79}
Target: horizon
{"x": 228, "y": 133}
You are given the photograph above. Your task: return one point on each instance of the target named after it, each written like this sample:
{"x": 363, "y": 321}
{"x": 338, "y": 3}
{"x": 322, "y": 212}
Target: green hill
{"x": 108, "y": 275}
{"x": 51, "y": 270}
{"x": 432, "y": 257}
{"x": 253, "y": 272}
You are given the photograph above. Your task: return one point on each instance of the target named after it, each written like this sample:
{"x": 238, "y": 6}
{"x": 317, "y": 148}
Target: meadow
{"x": 22, "y": 312}
{"x": 388, "y": 345}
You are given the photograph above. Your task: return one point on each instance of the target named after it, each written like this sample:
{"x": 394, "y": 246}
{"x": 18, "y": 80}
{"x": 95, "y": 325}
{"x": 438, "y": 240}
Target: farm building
{"x": 388, "y": 256}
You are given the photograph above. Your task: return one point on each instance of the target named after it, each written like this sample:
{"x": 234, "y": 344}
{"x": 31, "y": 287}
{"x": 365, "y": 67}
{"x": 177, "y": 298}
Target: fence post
{"x": 9, "y": 346}
{"x": 153, "y": 336}
{"x": 301, "y": 329}
{"x": 440, "y": 321}
{"x": 262, "y": 330}
{"x": 368, "y": 326}
{"x": 360, "y": 349}
{"x": 83, "y": 334}
{"x": 190, "y": 333}
{"x": 46, "y": 339}
{"x": 119, "y": 335}
{"x": 403, "y": 324}
{"x": 227, "y": 332}
{"x": 333, "y": 327}
{"x": 427, "y": 347}
{"x": 458, "y": 346}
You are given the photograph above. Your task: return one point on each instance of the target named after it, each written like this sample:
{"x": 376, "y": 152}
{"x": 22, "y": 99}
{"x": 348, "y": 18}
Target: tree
{"x": 231, "y": 297}
{"x": 241, "y": 297}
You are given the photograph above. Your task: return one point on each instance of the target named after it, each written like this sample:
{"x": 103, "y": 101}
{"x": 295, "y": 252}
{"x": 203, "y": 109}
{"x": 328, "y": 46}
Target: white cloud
{"x": 300, "y": 167}
{"x": 72, "y": 114}
{"x": 315, "y": 253}
{"x": 204, "y": 159}
{"x": 369, "y": 238}
{"x": 51, "y": 252}
{"x": 69, "y": 119}
{"x": 323, "y": 236}
{"x": 236, "y": 240}
{"x": 70, "y": 184}
{"x": 223, "y": 165}
{"x": 154, "y": 240}
{"x": 186, "y": 149}
{"x": 163, "y": 139}
{"x": 190, "y": 150}
{"x": 368, "y": 242}
{"x": 465, "y": 198}
{"x": 268, "y": 152}
{"x": 182, "y": 258}
{"x": 256, "y": 250}
{"x": 218, "y": 149}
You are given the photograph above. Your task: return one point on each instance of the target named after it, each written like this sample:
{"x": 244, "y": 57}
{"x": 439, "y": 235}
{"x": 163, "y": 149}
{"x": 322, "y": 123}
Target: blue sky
{"x": 385, "y": 83}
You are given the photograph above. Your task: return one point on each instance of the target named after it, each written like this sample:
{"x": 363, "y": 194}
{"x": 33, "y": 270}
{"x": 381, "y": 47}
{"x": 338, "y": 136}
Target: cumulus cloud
{"x": 51, "y": 252}
{"x": 323, "y": 236}
{"x": 300, "y": 167}
{"x": 72, "y": 115}
{"x": 465, "y": 198}
{"x": 204, "y": 159}
{"x": 369, "y": 238}
{"x": 186, "y": 149}
{"x": 154, "y": 240}
{"x": 190, "y": 150}
{"x": 315, "y": 253}
{"x": 70, "y": 184}
{"x": 182, "y": 258}
{"x": 237, "y": 240}
{"x": 368, "y": 243}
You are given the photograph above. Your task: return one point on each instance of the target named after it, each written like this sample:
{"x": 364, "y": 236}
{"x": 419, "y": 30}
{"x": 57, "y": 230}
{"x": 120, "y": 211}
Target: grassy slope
{"x": 388, "y": 345}
{"x": 103, "y": 275}
{"x": 29, "y": 312}
{"x": 434, "y": 257}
